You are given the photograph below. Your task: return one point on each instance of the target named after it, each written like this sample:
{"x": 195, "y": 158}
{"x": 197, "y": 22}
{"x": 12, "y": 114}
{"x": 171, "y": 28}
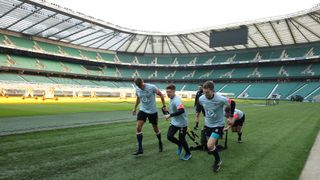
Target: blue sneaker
{"x": 179, "y": 151}
{"x": 186, "y": 157}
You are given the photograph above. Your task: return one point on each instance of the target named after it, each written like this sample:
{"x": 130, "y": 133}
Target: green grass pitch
{"x": 277, "y": 140}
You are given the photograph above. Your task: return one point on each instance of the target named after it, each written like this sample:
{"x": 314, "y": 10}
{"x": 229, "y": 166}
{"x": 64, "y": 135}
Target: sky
{"x": 182, "y": 15}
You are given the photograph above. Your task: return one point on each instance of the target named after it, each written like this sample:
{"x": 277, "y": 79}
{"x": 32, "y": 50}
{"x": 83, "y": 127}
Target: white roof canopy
{"x": 47, "y": 20}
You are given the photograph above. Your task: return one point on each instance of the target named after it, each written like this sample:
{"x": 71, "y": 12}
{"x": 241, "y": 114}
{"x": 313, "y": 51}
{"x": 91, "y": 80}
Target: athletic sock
{"x": 216, "y": 156}
{"x": 139, "y": 138}
{"x": 239, "y": 135}
{"x": 159, "y": 136}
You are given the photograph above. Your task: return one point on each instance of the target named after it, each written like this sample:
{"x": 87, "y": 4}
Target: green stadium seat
{"x": 37, "y": 79}
{"x": 22, "y": 42}
{"x": 285, "y": 89}
{"x": 260, "y": 90}
{"x": 50, "y": 48}
{"x": 245, "y": 56}
{"x": 11, "y": 77}
{"x": 235, "y": 88}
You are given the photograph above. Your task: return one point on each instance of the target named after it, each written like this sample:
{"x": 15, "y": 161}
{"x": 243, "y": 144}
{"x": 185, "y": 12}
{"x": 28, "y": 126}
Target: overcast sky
{"x": 180, "y": 15}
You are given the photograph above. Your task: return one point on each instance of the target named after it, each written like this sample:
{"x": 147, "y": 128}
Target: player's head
{"x": 200, "y": 87}
{"x": 171, "y": 90}
{"x": 208, "y": 89}
{"x": 139, "y": 82}
{"x": 227, "y": 112}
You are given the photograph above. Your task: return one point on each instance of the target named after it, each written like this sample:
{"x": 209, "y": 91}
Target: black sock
{"x": 139, "y": 138}
{"x": 239, "y": 135}
{"x": 159, "y": 137}
{"x": 197, "y": 124}
{"x": 216, "y": 156}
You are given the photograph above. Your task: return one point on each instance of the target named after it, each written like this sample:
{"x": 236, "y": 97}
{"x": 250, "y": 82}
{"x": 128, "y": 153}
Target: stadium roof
{"x": 44, "y": 19}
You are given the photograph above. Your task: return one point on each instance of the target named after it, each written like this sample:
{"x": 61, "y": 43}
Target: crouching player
{"x": 213, "y": 105}
{"x": 236, "y": 122}
{"x": 179, "y": 122}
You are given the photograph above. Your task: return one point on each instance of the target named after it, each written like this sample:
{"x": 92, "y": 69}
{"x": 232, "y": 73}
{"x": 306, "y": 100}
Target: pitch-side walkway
{"x": 311, "y": 170}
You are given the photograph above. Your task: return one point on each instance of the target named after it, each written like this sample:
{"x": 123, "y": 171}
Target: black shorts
{"x": 199, "y": 109}
{"x": 216, "y": 130}
{"x": 239, "y": 122}
{"x": 153, "y": 118}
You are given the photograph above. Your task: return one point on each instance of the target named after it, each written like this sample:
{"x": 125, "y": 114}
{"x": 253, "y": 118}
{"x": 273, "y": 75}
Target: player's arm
{"x": 180, "y": 110}
{"x": 136, "y": 105}
{"x": 231, "y": 121}
{"x": 159, "y": 93}
{"x": 230, "y": 103}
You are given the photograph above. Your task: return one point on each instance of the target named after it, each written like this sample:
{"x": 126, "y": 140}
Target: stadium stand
{"x": 263, "y": 67}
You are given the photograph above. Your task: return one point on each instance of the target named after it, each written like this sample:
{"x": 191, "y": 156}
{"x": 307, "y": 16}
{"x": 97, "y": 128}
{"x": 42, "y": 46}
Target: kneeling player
{"x": 179, "y": 122}
{"x": 236, "y": 122}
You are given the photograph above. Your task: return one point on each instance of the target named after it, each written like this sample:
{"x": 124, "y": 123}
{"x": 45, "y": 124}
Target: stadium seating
{"x": 236, "y": 88}
{"x": 259, "y": 90}
{"x": 285, "y": 89}
{"x": 273, "y": 53}
{"x": 307, "y": 89}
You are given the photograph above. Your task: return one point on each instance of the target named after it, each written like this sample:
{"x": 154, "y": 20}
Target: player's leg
{"x": 197, "y": 120}
{"x": 184, "y": 144}
{"x": 153, "y": 119}
{"x": 170, "y": 136}
{"x": 139, "y": 135}
{"x": 141, "y": 118}
{"x": 239, "y": 129}
{"x": 215, "y": 135}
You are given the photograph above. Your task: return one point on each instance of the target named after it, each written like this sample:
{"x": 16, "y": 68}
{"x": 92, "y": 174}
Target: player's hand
{"x": 167, "y": 117}
{"x": 134, "y": 112}
{"x": 230, "y": 121}
{"x": 225, "y": 129}
{"x": 164, "y": 109}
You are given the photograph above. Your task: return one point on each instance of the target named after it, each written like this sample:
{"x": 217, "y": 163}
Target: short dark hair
{"x": 208, "y": 85}
{"x": 171, "y": 87}
{"x": 138, "y": 81}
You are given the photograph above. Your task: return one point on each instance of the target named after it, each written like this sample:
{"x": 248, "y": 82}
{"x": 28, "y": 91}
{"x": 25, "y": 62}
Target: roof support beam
{"x": 145, "y": 47}
{"x": 108, "y": 37}
{"x": 173, "y": 44}
{"x": 38, "y": 22}
{"x": 17, "y": 6}
{"x": 299, "y": 30}
{"x": 168, "y": 44}
{"x": 87, "y": 35}
{"x": 118, "y": 42}
{"x": 288, "y": 26}
{"x": 265, "y": 39}
{"x": 276, "y": 32}
{"x": 315, "y": 19}
{"x": 52, "y": 26}
{"x": 184, "y": 45}
{"x": 162, "y": 44}
{"x": 207, "y": 43}
{"x": 189, "y": 43}
{"x": 196, "y": 43}
{"x": 74, "y": 33}
{"x": 97, "y": 39}
{"x": 305, "y": 28}
{"x": 124, "y": 42}
{"x": 253, "y": 41}
{"x": 65, "y": 29}
{"x": 152, "y": 48}
{"x": 141, "y": 43}
{"x": 131, "y": 40}
{"x": 23, "y": 18}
